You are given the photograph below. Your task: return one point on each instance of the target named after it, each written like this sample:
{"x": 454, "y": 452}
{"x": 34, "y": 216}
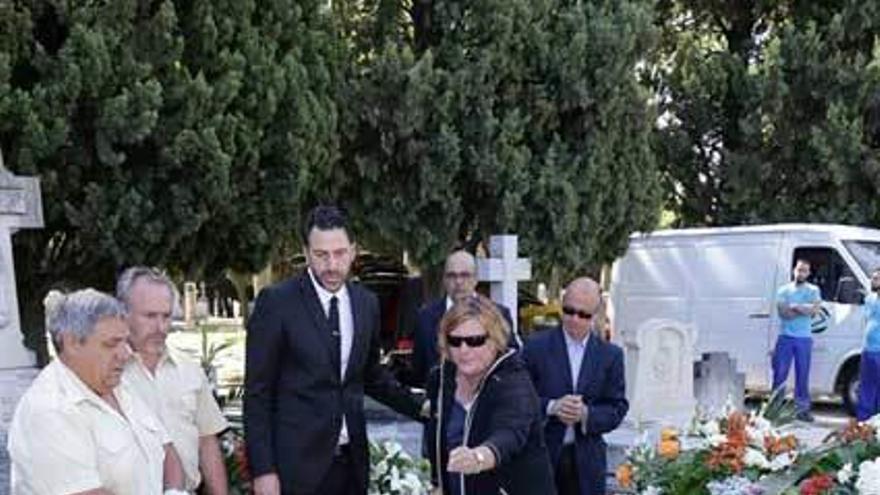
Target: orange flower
{"x": 669, "y": 446}
{"x": 731, "y": 453}
{"x": 855, "y": 431}
{"x": 624, "y": 475}
{"x": 728, "y": 455}
{"x": 776, "y": 446}
{"x": 736, "y": 429}
{"x": 668, "y": 434}
{"x": 669, "y": 449}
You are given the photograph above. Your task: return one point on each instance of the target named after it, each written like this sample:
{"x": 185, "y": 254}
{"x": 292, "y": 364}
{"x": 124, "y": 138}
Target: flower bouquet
{"x": 727, "y": 455}
{"x": 394, "y": 472}
{"x": 847, "y": 462}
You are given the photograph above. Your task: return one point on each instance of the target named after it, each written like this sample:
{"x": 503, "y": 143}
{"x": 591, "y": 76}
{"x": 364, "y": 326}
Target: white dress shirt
{"x": 346, "y": 332}
{"x": 180, "y": 395}
{"x": 576, "y": 349}
{"x": 64, "y": 438}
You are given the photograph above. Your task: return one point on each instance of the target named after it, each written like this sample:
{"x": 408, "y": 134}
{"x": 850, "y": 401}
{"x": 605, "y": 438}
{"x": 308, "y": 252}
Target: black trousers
{"x": 567, "y": 480}
{"x": 341, "y": 478}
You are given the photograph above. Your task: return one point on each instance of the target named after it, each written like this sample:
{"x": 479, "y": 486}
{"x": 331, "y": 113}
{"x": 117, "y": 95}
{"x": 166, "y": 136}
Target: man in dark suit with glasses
{"x": 312, "y": 354}
{"x": 580, "y": 380}
{"x": 459, "y": 283}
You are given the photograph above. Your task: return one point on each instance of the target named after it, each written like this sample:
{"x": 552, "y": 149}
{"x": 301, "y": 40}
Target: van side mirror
{"x": 849, "y": 291}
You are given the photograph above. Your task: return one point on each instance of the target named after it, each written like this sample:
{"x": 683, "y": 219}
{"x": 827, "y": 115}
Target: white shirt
{"x": 180, "y": 395}
{"x": 346, "y": 331}
{"x": 450, "y": 302}
{"x": 65, "y": 439}
{"x": 576, "y": 349}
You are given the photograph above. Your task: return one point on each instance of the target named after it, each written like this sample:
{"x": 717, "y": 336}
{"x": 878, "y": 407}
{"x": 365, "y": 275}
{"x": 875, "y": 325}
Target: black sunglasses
{"x": 472, "y": 341}
{"x": 572, "y": 312}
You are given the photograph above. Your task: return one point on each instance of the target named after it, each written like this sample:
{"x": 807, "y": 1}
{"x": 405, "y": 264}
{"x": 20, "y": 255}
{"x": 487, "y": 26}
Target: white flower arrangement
{"x": 875, "y": 423}
{"x": 760, "y": 433}
{"x": 846, "y": 474}
{"x": 394, "y": 472}
{"x": 652, "y": 490}
{"x": 869, "y": 478}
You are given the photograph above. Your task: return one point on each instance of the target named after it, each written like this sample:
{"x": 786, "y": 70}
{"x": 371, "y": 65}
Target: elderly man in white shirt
{"x": 75, "y": 431}
{"x": 174, "y": 388}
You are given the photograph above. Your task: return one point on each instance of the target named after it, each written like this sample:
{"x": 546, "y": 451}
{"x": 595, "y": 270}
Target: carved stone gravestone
{"x": 20, "y": 208}
{"x": 660, "y": 373}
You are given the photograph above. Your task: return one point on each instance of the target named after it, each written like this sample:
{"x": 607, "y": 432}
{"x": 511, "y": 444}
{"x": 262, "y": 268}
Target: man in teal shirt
{"x": 796, "y": 302}
{"x": 869, "y": 369}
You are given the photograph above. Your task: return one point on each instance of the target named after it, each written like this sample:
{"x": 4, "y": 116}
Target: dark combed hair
{"x": 325, "y": 217}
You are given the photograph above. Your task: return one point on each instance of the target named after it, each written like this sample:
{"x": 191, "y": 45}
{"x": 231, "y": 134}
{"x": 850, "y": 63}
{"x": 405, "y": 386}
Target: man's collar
{"x": 75, "y": 389}
{"x": 570, "y": 341}
{"x": 169, "y": 356}
{"x": 450, "y": 302}
{"x": 323, "y": 294}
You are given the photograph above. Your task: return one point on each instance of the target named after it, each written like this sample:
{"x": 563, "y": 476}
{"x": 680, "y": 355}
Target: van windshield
{"x": 866, "y": 253}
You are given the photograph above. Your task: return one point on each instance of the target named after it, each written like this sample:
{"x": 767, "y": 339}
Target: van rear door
{"x": 733, "y": 299}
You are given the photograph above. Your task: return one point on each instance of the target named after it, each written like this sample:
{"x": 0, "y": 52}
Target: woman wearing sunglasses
{"x": 485, "y": 415}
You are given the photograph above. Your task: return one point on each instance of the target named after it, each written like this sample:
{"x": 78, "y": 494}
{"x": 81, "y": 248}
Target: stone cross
{"x": 20, "y": 208}
{"x": 503, "y": 270}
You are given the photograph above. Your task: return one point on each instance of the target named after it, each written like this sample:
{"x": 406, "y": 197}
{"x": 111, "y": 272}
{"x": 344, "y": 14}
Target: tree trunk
{"x": 241, "y": 282}
{"x": 554, "y": 285}
{"x": 432, "y": 282}
{"x": 33, "y": 326}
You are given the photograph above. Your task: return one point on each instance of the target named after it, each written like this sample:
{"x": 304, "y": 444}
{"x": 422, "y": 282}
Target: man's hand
{"x": 471, "y": 460}
{"x": 570, "y": 409}
{"x": 806, "y": 309}
{"x": 267, "y": 484}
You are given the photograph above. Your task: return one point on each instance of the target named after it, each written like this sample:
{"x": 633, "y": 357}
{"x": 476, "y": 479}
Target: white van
{"x": 723, "y": 281}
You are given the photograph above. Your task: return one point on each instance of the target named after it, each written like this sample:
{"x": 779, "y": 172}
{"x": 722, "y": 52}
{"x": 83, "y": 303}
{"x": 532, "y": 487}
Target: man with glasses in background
{"x": 459, "y": 282}
{"x": 580, "y": 380}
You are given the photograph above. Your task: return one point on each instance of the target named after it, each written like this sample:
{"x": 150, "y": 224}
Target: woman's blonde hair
{"x": 477, "y": 308}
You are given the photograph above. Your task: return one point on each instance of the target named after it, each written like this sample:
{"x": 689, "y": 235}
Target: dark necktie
{"x": 333, "y": 323}
{"x": 333, "y": 317}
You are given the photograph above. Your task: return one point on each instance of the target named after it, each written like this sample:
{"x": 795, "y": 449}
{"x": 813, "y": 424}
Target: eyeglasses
{"x": 472, "y": 341}
{"x": 568, "y": 310}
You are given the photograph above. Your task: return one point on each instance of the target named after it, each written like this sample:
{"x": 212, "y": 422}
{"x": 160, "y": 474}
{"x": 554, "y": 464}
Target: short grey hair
{"x": 131, "y": 275}
{"x": 78, "y": 312}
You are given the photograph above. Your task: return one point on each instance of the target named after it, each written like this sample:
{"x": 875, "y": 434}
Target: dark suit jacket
{"x": 425, "y": 354}
{"x": 294, "y": 397}
{"x": 602, "y": 385}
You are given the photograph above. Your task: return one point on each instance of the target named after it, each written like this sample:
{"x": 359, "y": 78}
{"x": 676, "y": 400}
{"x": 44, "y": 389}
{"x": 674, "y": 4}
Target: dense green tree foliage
{"x": 174, "y": 133}
{"x": 466, "y": 119}
{"x": 770, "y": 111}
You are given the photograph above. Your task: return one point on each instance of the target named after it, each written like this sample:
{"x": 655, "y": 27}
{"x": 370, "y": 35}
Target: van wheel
{"x": 849, "y": 388}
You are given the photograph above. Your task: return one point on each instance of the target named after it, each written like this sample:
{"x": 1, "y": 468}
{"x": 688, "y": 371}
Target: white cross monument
{"x": 20, "y": 208}
{"x": 503, "y": 270}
